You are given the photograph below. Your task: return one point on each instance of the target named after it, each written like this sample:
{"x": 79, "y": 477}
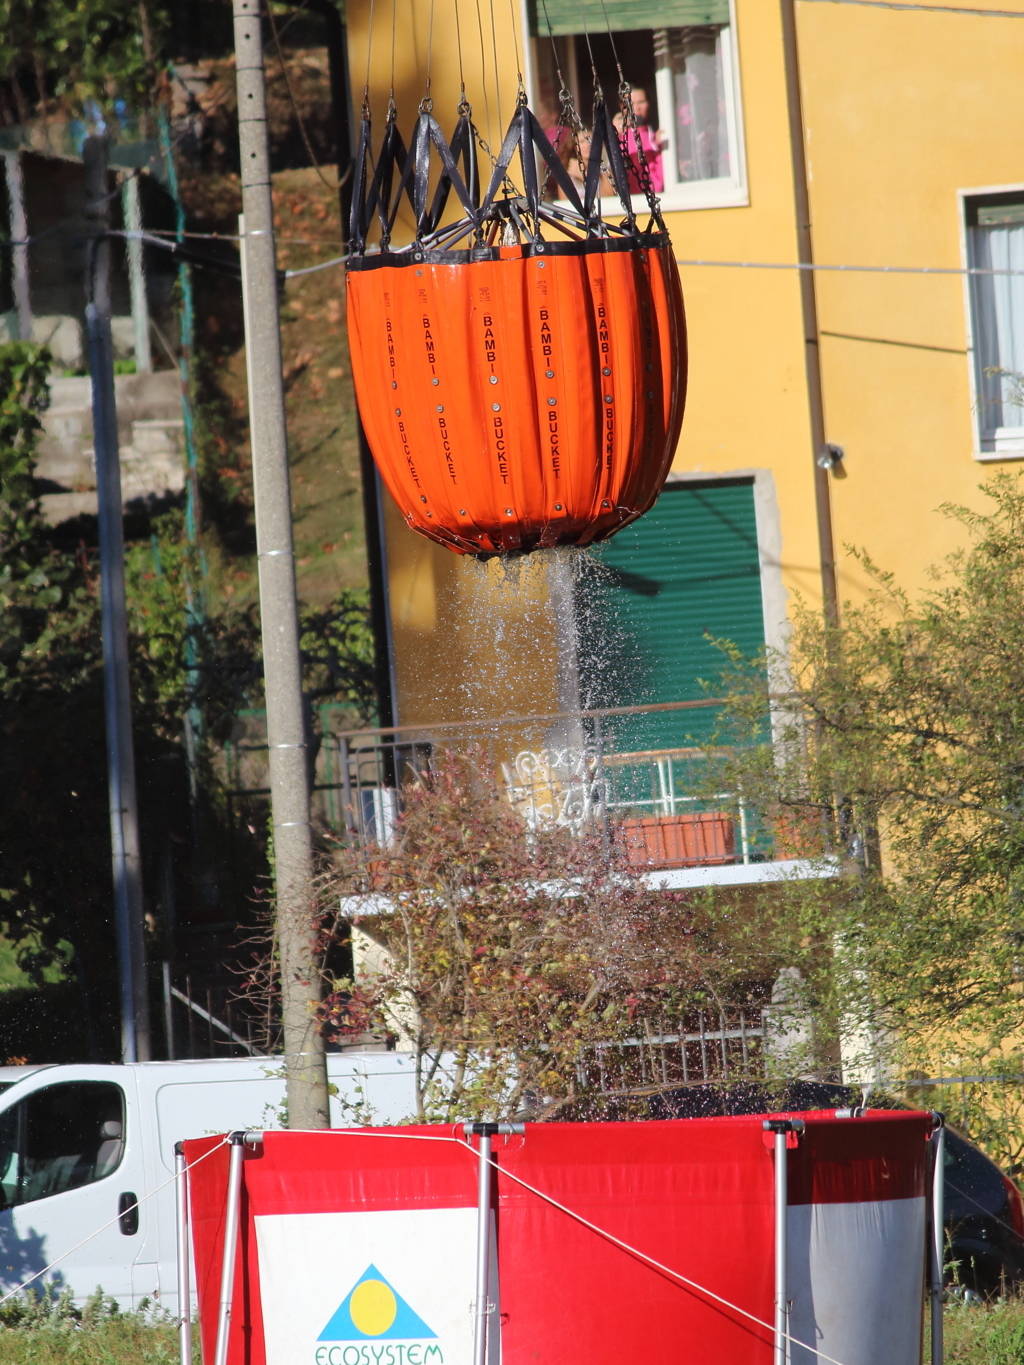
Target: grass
{"x": 975, "y": 1334}
{"x": 979, "y": 1334}
{"x": 48, "y": 1330}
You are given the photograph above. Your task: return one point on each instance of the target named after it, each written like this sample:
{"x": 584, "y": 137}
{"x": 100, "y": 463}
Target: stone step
{"x": 159, "y": 435}
{"x": 59, "y": 507}
{"x": 70, "y": 391}
{"x": 159, "y": 391}
{"x": 144, "y": 475}
{"x": 150, "y": 435}
{"x": 74, "y": 469}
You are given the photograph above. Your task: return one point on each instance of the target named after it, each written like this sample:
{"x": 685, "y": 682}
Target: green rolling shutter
{"x": 597, "y": 16}
{"x": 688, "y": 569}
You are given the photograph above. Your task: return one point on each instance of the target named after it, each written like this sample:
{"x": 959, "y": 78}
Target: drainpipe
{"x": 809, "y": 312}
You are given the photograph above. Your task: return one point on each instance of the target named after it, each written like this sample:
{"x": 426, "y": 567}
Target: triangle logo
{"x": 373, "y": 1311}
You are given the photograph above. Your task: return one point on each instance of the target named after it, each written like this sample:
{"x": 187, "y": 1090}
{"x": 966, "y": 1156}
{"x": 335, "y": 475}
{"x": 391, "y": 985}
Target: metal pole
{"x": 484, "y": 1132}
{"x": 781, "y": 1129}
{"x": 123, "y": 806}
{"x": 137, "y": 274}
{"x": 781, "y": 1206}
{"x": 165, "y": 975}
{"x": 938, "y": 1235}
{"x": 483, "y": 1248}
{"x": 305, "y": 1066}
{"x": 227, "y": 1269}
{"x": 184, "y": 1287}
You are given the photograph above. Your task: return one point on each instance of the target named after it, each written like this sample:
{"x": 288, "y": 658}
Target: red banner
{"x": 612, "y": 1243}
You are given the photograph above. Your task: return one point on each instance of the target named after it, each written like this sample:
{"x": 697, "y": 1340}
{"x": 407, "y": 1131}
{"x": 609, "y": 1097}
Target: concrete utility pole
{"x": 124, "y": 820}
{"x": 306, "y": 1070}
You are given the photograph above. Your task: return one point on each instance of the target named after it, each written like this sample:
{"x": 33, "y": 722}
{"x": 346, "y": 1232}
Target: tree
{"x": 59, "y": 54}
{"x": 55, "y": 868}
{"x": 902, "y": 735}
{"x": 49, "y": 628}
{"x": 503, "y": 954}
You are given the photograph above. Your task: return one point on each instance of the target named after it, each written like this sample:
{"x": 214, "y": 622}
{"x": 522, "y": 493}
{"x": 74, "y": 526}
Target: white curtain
{"x": 999, "y": 324}
{"x": 702, "y": 143}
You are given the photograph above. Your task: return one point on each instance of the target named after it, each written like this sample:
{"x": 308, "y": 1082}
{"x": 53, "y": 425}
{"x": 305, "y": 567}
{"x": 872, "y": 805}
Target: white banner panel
{"x": 856, "y": 1281}
{"x": 395, "y": 1287}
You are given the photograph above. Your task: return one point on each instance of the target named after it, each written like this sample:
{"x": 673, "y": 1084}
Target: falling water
{"x": 524, "y": 636}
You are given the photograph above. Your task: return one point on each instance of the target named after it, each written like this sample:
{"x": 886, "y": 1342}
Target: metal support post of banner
{"x": 184, "y": 1287}
{"x": 781, "y": 1128}
{"x": 237, "y": 1141}
{"x": 936, "y": 1242}
{"x": 484, "y": 1132}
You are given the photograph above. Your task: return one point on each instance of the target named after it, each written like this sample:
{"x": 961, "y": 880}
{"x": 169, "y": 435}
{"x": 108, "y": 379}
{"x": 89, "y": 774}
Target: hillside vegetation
{"x": 323, "y": 446}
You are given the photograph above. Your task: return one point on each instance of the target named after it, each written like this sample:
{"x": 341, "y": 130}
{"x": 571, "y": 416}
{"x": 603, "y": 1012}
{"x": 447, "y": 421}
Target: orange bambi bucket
{"x": 520, "y": 397}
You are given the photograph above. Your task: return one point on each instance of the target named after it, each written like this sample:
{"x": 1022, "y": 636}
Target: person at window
{"x": 642, "y": 144}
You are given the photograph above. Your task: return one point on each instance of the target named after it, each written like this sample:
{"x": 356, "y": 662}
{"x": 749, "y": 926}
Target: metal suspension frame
{"x": 181, "y": 1193}
{"x": 782, "y": 1130}
{"x": 404, "y": 174}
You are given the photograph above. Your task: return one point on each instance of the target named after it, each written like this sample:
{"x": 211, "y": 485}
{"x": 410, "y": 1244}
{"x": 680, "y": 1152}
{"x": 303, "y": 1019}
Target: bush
{"x": 47, "y": 1329}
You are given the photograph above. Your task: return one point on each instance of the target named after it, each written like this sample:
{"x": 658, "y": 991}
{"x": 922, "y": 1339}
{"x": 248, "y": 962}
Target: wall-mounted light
{"x": 830, "y": 456}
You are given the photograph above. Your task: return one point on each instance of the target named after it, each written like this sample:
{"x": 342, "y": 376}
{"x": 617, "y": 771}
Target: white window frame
{"x": 729, "y": 191}
{"x": 990, "y": 443}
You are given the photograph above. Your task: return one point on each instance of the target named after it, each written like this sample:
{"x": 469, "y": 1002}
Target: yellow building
{"x": 843, "y": 185}
{"x": 844, "y": 189}
{"x": 906, "y": 118}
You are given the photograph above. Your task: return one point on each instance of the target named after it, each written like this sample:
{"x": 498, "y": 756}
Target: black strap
{"x": 357, "y": 222}
{"x": 463, "y": 148}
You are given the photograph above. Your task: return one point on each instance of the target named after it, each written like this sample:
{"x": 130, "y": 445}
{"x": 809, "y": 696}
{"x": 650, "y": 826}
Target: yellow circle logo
{"x": 373, "y": 1307}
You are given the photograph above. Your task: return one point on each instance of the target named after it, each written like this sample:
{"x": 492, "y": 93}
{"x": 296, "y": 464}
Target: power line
{"x": 312, "y": 269}
{"x": 970, "y": 11}
{"x": 851, "y": 269}
{"x": 155, "y": 237}
{"x": 770, "y": 265}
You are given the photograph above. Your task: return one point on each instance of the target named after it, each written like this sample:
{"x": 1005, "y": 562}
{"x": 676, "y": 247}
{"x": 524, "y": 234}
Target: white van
{"x": 82, "y": 1145}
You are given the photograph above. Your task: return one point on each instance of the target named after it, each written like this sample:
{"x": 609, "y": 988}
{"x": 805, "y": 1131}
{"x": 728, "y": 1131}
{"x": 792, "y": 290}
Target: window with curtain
{"x": 678, "y": 56}
{"x": 995, "y": 242}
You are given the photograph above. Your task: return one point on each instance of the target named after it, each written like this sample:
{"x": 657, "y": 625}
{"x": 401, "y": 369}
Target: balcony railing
{"x": 642, "y": 773}
{"x": 645, "y": 774}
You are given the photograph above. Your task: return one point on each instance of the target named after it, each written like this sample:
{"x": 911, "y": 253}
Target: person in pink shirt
{"x": 642, "y": 139}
